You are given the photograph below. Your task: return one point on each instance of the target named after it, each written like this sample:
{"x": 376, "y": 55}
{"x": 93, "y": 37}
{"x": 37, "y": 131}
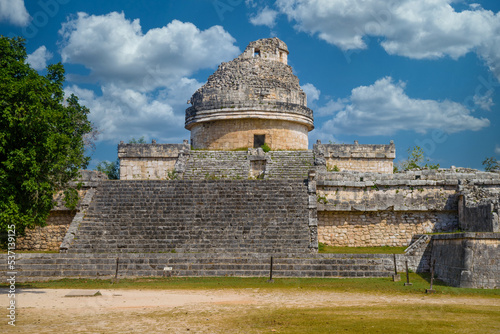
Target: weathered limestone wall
{"x": 355, "y": 157}
{"x": 468, "y": 260}
{"x": 369, "y": 209}
{"x": 47, "y": 238}
{"x": 238, "y": 133}
{"x": 149, "y": 161}
{"x": 479, "y": 206}
{"x": 381, "y": 228}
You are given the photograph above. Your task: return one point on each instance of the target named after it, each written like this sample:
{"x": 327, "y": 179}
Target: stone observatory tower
{"x": 251, "y": 100}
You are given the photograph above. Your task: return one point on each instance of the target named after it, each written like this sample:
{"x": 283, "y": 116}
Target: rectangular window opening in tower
{"x": 256, "y": 53}
{"x": 258, "y": 140}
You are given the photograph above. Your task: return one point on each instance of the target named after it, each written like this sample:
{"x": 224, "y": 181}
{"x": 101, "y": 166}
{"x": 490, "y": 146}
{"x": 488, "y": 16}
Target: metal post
{"x": 407, "y": 275}
{"x": 271, "y": 272}
{"x": 396, "y": 277}
{"x": 431, "y": 290}
{"x": 116, "y": 272}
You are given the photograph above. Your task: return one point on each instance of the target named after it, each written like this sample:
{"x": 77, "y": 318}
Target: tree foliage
{"x": 111, "y": 169}
{"x": 42, "y": 138}
{"x": 415, "y": 160}
{"x": 137, "y": 141}
{"x": 491, "y": 164}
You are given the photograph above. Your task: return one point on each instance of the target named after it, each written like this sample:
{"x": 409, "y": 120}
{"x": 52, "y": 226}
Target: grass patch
{"x": 5, "y": 251}
{"x": 361, "y": 250}
{"x": 359, "y": 285}
{"x": 370, "y": 319}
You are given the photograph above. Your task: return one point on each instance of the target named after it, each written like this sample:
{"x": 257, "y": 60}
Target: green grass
{"x": 360, "y": 285}
{"x": 370, "y": 319}
{"x": 361, "y": 250}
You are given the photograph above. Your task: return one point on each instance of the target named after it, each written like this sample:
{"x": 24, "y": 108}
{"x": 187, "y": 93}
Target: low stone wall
{"x": 381, "y": 228}
{"x": 468, "y": 260}
{"x": 47, "y": 238}
{"x": 358, "y": 158}
{"x": 149, "y": 161}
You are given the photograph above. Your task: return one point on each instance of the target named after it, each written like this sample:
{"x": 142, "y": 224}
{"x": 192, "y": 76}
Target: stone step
{"x": 54, "y": 266}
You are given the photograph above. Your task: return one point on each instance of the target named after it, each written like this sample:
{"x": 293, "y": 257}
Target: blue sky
{"x": 419, "y": 72}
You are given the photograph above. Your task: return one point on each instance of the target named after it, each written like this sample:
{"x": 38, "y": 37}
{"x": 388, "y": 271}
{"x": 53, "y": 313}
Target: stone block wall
{"x": 355, "y": 157}
{"x": 49, "y": 237}
{"x": 468, "y": 260}
{"x": 237, "y": 133}
{"x": 149, "y": 161}
{"x": 380, "y": 228}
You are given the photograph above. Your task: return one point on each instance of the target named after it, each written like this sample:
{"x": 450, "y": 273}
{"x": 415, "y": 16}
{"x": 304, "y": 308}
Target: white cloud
{"x": 116, "y": 50}
{"x": 415, "y": 29}
{"x": 384, "y": 109}
{"x": 497, "y": 149}
{"x": 311, "y": 91}
{"x": 265, "y": 17}
{"x": 485, "y": 101}
{"x": 14, "y": 12}
{"x": 144, "y": 77}
{"x": 38, "y": 59}
{"x": 331, "y": 107}
{"x": 121, "y": 114}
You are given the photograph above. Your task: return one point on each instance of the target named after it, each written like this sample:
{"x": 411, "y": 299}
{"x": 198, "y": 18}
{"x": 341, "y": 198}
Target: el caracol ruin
{"x": 221, "y": 205}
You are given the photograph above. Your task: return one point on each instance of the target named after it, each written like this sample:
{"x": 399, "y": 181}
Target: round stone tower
{"x": 251, "y": 100}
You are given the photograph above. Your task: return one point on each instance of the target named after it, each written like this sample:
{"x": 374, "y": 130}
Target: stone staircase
{"x": 212, "y": 165}
{"x": 220, "y": 165}
{"x": 36, "y": 267}
{"x": 289, "y": 164}
{"x": 224, "y": 216}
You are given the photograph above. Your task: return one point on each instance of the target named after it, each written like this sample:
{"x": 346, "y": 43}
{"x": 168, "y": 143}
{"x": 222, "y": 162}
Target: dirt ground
{"x": 178, "y": 311}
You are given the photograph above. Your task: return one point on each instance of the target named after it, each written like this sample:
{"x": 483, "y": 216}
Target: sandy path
{"x": 123, "y": 311}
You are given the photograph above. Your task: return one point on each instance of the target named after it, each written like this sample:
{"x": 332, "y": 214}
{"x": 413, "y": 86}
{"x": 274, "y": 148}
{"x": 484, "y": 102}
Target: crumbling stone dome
{"x": 251, "y": 100}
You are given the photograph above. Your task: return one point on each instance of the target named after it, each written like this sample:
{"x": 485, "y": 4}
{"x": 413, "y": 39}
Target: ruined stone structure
{"x": 251, "y": 100}
{"x": 355, "y": 157}
{"x": 220, "y": 210}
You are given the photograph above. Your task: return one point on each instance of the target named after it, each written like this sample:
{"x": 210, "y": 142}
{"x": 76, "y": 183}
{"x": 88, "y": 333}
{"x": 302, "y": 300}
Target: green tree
{"x": 111, "y": 169}
{"x": 137, "y": 141}
{"x": 491, "y": 164}
{"x": 42, "y": 138}
{"x": 416, "y": 157}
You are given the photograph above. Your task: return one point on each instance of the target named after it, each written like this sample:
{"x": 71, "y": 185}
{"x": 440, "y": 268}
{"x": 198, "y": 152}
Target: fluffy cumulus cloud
{"x": 38, "y": 59}
{"x": 383, "y": 108}
{"x": 14, "y": 12}
{"x": 265, "y": 17}
{"x": 144, "y": 77}
{"x": 115, "y": 49}
{"x": 415, "y": 29}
